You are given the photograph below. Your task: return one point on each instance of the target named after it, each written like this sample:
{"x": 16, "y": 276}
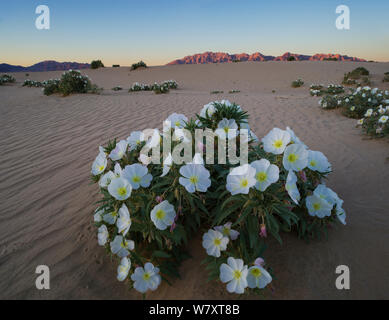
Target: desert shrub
{"x": 316, "y": 86}
{"x": 334, "y": 89}
{"x": 350, "y": 77}
{"x": 386, "y": 77}
{"x": 348, "y": 82}
{"x": 234, "y": 91}
{"x": 330, "y": 102}
{"x": 137, "y": 65}
{"x": 117, "y": 88}
{"x": 149, "y": 209}
{"x": 376, "y": 121}
{"x": 216, "y": 92}
{"x": 6, "y": 78}
{"x": 116, "y": 66}
{"x": 297, "y": 83}
{"x": 32, "y": 83}
{"x": 95, "y": 64}
{"x": 315, "y": 92}
{"x": 51, "y": 86}
{"x": 292, "y": 58}
{"x": 163, "y": 87}
{"x": 171, "y": 84}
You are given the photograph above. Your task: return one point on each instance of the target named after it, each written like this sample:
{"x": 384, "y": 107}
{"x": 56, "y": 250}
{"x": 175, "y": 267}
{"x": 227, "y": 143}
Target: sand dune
{"x": 48, "y": 144}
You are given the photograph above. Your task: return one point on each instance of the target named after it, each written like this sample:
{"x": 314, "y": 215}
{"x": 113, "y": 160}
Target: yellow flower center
{"x": 160, "y": 214}
{"x": 136, "y": 179}
{"x": 114, "y": 214}
{"x": 316, "y": 206}
{"x": 177, "y": 123}
{"x": 292, "y": 157}
{"x": 101, "y": 168}
{"x": 226, "y": 231}
{"x": 261, "y": 176}
{"x": 193, "y": 179}
{"x": 244, "y": 183}
{"x": 256, "y": 272}
{"x": 217, "y": 242}
{"x": 146, "y": 276}
{"x": 226, "y": 129}
{"x": 313, "y": 163}
{"x": 122, "y": 191}
{"x": 237, "y": 274}
{"x": 277, "y": 144}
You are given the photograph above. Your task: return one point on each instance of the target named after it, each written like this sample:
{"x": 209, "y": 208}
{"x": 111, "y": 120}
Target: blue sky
{"x": 158, "y": 31}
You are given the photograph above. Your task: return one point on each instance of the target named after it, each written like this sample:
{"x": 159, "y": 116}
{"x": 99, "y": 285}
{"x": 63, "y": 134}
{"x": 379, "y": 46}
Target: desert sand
{"x": 49, "y": 143}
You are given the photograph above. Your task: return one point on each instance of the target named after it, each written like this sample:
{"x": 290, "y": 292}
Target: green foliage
{"x": 6, "y": 78}
{"x": 137, "y": 65}
{"x": 297, "y": 83}
{"x": 95, "y": 64}
{"x": 291, "y": 58}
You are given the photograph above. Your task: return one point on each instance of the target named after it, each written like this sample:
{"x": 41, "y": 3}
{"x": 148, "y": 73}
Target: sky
{"x": 159, "y": 31}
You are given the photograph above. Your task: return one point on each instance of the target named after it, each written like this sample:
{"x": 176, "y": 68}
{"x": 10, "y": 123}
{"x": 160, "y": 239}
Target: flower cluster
{"x": 351, "y": 78}
{"x": 152, "y": 206}
{"x": 334, "y": 89}
{"x": 297, "y": 83}
{"x": 6, "y": 78}
{"x": 331, "y": 89}
{"x": 32, "y": 83}
{"x": 330, "y": 102}
{"x": 163, "y": 87}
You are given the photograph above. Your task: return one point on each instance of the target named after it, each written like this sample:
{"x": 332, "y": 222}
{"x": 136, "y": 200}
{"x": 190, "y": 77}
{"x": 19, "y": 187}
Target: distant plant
{"x": 117, "y": 88}
{"x": 334, "y": 89}
{"x": 273, "y": 91}
{"x": 291, "y": 58}
{"x": 32, "y": 83}
{"x": 95, "y": 64}
{"x": 330, "y": 102}
{"x": 6, "y": 78}
{"x": 51, "y": 86}
{"x": 236, "y": 60}
{"x": 386, "y": 77}
{"x": 163, "y": 87}
{"x": 216, "y": 92}
{"x": 27, "y": 74}
{"x": 116, "y": 66}
{"x": 316, "y": 86}
{"x": 331, "y": 59}
{"x": 139, "y": 64}
{"x": 297, "y": 83}
{"x": 234, "y": 91}
{"x": 171, "y": 84}
{"x": 315, "y": 92}
{"x": 160, "y": 89}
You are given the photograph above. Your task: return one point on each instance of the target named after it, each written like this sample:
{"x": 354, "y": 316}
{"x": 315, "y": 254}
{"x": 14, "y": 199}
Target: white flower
{"x": 266, "y": 173}
{"x": 123, "y": 269}
{"x": 340, "y": 213}
{"x": 294, "y": 138}
{"x": 195, "y": 178}
{"x": 121, "y": 246}
{"x": 135, "y": 139}
{"x": 99, "y": 164}
{"x": 227, "y": 231}
{"x": 120, "y": 189}
{"x": 137, "y": 175}
{"x": 352, "y": 108}
{"x": 106, "y": 179}
{"x": 369, "y": 112}
{"x": 326, "y": 193}
{"x": 163, "y": 215}
{"x": 147, "y": 278}
{"x": 214, "y": 242}
{"x": 102, "y": 235}
{"x": 227, "y": 128}
{"x": 119, "y": 151}
{"x": 208, "y": 110}
{"x": 317, "y": 161}
{"x": 235, "y": 274}
{"x": 258, "y": 277}
{"x": 124, "y": 222}
{"x": 291, "y": 187}
{"x": 176, "y": 120}
{"x": 154, "y": 140}
{"x": 295, "y": 157}
{"x": 167, "y": 163}
{"x": 360, "y": 121}
{"x": 276, "y": 141}
{"x": 383, "y": 119}
{"x": 318, "y": 206}
{"x": 241, "y": 179}
{"x": 97, "y": 217}
{"x": 197, "y": 159}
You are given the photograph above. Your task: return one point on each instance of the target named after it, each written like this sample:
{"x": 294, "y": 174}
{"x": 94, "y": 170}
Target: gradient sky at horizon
{"x": 159, "y": 31}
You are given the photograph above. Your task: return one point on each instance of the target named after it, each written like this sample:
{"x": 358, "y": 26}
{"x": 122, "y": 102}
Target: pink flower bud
{"x": 159, "y": 199}
{"x": 173, "y": 227}
{"x": 302, "y": 175}
{"x": 259, "y": 262}
{"x": 263, "y": 233}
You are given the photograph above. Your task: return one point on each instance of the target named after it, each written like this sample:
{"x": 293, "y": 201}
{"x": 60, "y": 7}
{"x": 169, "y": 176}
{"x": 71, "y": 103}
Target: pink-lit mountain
{"x": 220, "y": 57}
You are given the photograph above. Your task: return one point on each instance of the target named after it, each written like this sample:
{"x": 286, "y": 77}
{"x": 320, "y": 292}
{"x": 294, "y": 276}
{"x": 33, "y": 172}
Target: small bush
{"x": 386, "y": 77}
{"x": 216, "y": 92}
{"x": 32, "y": 83}
{"x": 330, "y": 102}
{"x": 163, "y": 87}
{"x": 51, "y": 86}
{"x": 297, "y": 83}
{"x": 95, "y": 64}
{"x": 234, "y": 91}
{"x": 6, "y": 78}
{"x": 292, "y": 58}
{"x": 116, "y": 66}
{"x": 117, "y": 88}
{"x": 140, "y": 64}
{"x": 331, "y": 59}
{"x": 160, "y": 89}
{"x": 334, "y": 89}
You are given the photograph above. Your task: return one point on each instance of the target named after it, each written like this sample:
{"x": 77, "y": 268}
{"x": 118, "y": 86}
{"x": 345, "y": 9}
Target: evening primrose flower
{"x": 276, "y": 141}
{"x": 110, "y": 217}
{"x": 214, "y": 242}
{"x": 123, "y": 269}
{"x": 326, "y": 193}
{"x": 352, "y": 108}
{"x": 295, "y": 157}
{"x": 102, "y": 235}
{"x": 98, "y": 216}
{"x": 383, "y": 119}
{"x": 99, "y": 164}
{"x": 258, "y": 277}
{"x": 120, "y": 189}
{"x": 227, "y": 231}
{"x": 119, "y": 151}
{"x": 106, "y": 179}
{"x": 318, "y": 206}
{"x": 369, "y": 112}
{"x": 177, "y": 120}
{"x": 294, "y": 138}
{"x": 146, "y": 278}
{"x": 291, "y": 187}
{"x": 360, "y": 121}
{"x": 135, "y": 139}
{"x": 317, "y": 161}
{"x": 121, "y": 246}
{"x": 208, "y": 110}
{"x": 195, "y": 178}
{"x": 266, "y": 173}
{"x": 227, "y": 128}
{"x": 137, "y": 175}
{"x": 235, "y": 274}
{"x": 123, "y": 222}
{"x": 241, "y": 179}
{"x": 167, "y": 163}
{"x": 163, "y": 215}
{"x": 340, "y": 213}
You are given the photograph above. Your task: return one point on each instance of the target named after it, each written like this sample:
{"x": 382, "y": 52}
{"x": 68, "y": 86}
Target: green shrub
{"x": 297, "y": 83}
{"x": 216, "y": 92}
{"x": 51, "y": 86}
{"x": 139, "y": 64}
{"x": 234, "y": 91}
{"x": 330, "y": 102}
{"x": 386, "y": 77}
{"x": 95, "y": 64}
{"x": 6, "y": 78}
{"x": 32, "y": 83}
{"x": 117, "y": 88}
{"x": 292, "y": 58}
{"x": 116, "y": 66}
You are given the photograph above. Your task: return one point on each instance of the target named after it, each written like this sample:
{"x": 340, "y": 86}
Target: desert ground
{"x": 49, "y": 143}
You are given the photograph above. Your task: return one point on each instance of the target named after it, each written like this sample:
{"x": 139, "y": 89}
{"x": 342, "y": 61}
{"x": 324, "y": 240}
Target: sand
{"x": 48, "y": 144}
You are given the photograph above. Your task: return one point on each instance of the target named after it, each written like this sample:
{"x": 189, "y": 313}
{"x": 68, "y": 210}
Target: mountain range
{"x": 220, "y": 57}
{"x": 49, "y": 65}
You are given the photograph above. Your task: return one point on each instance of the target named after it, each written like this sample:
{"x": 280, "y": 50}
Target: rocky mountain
{"x": 44, "y": 66}
{"x": 220, "y": 57}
